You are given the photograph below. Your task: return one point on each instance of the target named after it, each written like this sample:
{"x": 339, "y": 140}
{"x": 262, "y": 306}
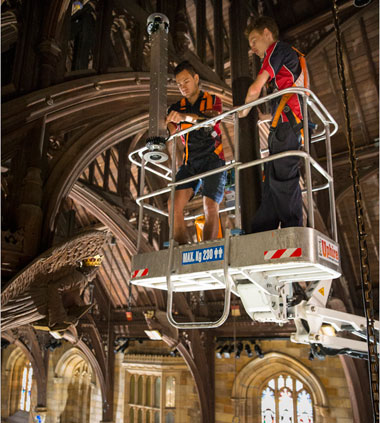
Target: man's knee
{"x": 211, "y": 207}
{"x": 181, "y": 198}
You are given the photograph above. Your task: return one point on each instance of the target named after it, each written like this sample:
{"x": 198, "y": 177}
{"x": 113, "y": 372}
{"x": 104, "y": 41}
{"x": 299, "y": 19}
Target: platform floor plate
{"x": 280, "y": 256}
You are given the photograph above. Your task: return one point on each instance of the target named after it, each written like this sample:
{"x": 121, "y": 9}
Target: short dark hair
{"x": 260, "y": 23}
{"x": 185, "y": 65}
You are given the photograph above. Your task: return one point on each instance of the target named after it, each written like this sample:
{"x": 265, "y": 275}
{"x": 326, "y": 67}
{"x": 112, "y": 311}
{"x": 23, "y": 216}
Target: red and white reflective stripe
{"x": 283, "y": 253}
{"x": 139, "y": 273}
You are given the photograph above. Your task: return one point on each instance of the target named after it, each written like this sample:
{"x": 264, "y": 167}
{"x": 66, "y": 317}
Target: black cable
{"x": 367, "y": 297}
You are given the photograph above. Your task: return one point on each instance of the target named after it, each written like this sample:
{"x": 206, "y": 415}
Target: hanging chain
{"x": 366, "y": 285}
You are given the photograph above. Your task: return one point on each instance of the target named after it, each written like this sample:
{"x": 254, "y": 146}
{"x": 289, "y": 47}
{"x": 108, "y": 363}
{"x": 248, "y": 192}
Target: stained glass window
{"x": 285, "y": 399}
{"x": 26, "y": 388}
{"x": 304, "y": 407}
{"x": 268, "y": 406}
{"x": 285, "y": 409}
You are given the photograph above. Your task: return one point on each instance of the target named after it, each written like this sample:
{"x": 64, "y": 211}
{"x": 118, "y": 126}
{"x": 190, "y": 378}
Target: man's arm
{"x": 175, "y": 117}
{"x": 254, "y": 91}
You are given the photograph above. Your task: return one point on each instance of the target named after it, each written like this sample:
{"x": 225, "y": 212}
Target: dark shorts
{"x": 212, "y": 186}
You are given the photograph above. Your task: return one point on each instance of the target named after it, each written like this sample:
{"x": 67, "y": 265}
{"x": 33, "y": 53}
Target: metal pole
{"x": 310, "y": 210}
{"x": 237, "y": 173}
{"x": 141, "y": 208}
{"x": 331, "y": 185}
{"x": 158, "y": 27}
{"x": 172, "y": 190}
{"x": 169, "y": 305}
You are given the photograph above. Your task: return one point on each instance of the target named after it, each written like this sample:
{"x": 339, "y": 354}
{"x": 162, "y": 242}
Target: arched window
{"x": 147, "y": 417}
{"x": 148, "y": 392}
{"x": 26, "y": 388}
{"x": 169, "y": 417}
{"x": 279, "y": 388}
{"x": 132, "y": 390}
{"x": 284, "y": 399}
{"x": 131, "y": 415}
{"x": 156, "y": 417}
{"x": 157, "y": 392}
{"x": 139, "y": 416}
{"x": 170, "y": 392}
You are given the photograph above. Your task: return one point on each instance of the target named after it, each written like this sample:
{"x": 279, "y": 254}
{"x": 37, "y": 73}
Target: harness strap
{"x": 294, "y": 120}
{"x": 183, "y": 104}
{"x": 218, "y": 149}
{"x": 185, "y": 126}
{"x": 205, "y": 104}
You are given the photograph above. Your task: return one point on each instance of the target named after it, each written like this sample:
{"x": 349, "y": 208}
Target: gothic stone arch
{"x": 246, "y": 391}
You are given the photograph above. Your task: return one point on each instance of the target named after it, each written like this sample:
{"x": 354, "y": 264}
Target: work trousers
{"x": 282, "y": 197}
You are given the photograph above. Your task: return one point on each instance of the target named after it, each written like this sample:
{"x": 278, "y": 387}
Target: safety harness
{"x": 206, "y": 104}
{"x": 302, "y": 81}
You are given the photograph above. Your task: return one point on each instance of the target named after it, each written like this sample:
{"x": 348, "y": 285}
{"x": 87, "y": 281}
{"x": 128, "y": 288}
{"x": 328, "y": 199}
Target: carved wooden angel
{"x": 48, "y": 292}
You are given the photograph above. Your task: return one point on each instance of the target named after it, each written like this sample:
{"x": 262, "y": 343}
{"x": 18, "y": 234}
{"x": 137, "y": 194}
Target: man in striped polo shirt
{"x": 282, "y": 199}
{"x": 203, "y": 151}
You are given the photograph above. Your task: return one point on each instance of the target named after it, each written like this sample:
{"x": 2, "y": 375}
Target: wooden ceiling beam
{"x": 218, "y": 37}
{"x": 107, "y": 158}
{"x": 200, "y": 8}
{"x": 362, "y": 153}
{"x": 108, "y": 215}
{"x": 117, "y": 284}
{"x": 190, "y": 27}
{"x": 367, "y": 49}
{"x": 357, "y": 102}
{"x": 346, "y": 25}
{"x": 315, "y": 23}
{"x": 327, "y": 66}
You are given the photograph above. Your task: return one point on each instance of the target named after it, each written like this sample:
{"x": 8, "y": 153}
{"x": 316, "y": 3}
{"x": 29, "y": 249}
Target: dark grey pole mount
{"x": 158, "y": 29}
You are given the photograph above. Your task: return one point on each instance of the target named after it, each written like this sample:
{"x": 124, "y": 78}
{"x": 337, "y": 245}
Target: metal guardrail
{"x": 309, "y": 100}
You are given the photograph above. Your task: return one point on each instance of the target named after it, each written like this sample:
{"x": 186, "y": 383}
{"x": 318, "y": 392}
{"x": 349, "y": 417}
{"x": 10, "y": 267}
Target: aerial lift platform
{"x": 259, "y": 268}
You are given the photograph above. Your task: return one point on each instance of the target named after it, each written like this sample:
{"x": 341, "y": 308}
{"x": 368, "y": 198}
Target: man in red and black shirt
{"x": 282, "y": 198}
{"x": 203, "y": 151}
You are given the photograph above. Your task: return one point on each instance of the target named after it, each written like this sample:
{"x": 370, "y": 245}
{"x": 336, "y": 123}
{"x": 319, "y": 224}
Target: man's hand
{"x": 264, "y": 116}
{"x": 244, "y": 113}
{"x": 175, "y": 117}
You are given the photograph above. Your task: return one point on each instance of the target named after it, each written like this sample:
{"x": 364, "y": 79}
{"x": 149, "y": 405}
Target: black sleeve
{"x": 175, "y": 107}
